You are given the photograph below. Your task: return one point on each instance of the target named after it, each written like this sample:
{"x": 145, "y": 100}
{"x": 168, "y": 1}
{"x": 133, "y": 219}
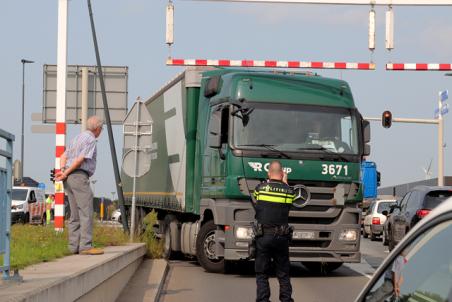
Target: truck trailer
{"x": 214, "y": 133}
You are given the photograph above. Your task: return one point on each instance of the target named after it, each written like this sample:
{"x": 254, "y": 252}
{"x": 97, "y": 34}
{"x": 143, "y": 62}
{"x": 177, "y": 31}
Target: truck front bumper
{"x": 301, "y": 255}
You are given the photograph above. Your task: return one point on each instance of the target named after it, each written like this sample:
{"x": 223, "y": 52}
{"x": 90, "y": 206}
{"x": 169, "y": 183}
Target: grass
{"x": 31, "y": 244}
{"x": 154, "y": 246}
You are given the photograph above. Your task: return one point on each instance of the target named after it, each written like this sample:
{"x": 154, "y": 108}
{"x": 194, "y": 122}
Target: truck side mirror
{"x": 366, "y": 131}
{"x": 386, "y": 213}
{"x": 366, "y": 151}
{"x": 215, "y": 130}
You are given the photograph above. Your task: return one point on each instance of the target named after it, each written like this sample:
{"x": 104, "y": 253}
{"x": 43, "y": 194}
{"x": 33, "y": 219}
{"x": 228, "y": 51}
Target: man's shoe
{"x": 92, "y": 251}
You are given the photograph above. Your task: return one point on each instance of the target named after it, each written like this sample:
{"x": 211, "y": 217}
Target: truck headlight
{"x": 348, "y": 235}
{"x": 243, "y": 233}
{"x": 20, "y": 207}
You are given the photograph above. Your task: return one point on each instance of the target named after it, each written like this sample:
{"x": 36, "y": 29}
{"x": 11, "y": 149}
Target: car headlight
{"x": 348, "y": 235}
{"x": 243, "y": 233}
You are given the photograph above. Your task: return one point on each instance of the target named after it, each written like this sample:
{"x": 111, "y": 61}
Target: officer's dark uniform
{"x": 273, "y": 201}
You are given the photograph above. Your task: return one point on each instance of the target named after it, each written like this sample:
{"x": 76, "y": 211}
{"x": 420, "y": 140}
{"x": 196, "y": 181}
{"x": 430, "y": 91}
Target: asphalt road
{"x": 187, "y": 281}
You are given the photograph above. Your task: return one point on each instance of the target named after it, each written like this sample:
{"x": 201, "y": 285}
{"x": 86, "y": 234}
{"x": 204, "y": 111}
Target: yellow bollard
{"x": 102, "y": 210}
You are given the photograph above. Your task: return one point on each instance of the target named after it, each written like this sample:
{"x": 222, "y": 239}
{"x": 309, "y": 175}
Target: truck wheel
{"x": 168, "y": 251}
{"x": 322, "y": 268}
{"x": 205, "y": 249}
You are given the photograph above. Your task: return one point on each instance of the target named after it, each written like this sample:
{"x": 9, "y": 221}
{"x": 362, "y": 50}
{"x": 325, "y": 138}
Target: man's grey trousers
{"x": 80, "y": 223}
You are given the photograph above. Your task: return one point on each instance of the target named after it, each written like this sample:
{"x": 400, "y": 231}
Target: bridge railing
{"x": 6, "y": 166}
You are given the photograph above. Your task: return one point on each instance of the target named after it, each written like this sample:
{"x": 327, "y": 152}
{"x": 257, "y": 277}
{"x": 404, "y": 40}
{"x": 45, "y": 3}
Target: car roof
{"x": 431, "y": 188}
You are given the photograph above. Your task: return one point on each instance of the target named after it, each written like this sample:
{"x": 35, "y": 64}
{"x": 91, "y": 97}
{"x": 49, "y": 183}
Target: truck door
{"x": 214, "y": 165}
{"x": 400, "y": 219}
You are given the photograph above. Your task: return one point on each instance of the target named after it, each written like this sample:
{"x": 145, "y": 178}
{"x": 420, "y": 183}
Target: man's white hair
{"x": 94, "y": 122}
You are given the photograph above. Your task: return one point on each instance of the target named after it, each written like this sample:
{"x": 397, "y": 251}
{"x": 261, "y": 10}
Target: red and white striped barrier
{"x": 271, "y": 64}
{"x": 60, "y": 131}
{"x": 418, "y": 67}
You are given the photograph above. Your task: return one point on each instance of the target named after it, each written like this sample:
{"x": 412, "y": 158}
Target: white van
{"x": 27, "y": 205}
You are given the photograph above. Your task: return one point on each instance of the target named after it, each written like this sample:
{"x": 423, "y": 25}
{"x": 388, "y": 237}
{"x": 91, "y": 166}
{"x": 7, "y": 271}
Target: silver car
{"x": 375, "y": 218}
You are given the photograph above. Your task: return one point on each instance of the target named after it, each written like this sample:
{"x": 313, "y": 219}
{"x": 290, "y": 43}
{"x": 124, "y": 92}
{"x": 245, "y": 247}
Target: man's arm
{"x": 62, "y": 175}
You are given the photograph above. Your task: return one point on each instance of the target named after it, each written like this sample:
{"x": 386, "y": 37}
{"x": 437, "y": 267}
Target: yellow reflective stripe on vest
{"x": 277, "y": 199}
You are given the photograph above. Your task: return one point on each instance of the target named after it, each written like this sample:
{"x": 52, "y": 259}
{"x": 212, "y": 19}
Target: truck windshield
{"x": 19, "y": 194}
{"x": 298, "y": 128}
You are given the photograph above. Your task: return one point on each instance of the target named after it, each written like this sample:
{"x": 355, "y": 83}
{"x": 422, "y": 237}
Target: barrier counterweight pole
{"x": 60, "y": 125}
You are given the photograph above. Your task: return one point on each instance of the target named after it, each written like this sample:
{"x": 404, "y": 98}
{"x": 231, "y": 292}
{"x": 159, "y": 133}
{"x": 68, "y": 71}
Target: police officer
{"x": 273, "y": 201}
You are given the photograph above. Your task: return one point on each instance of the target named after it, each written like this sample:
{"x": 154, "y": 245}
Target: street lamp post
{"x": 24, "y": 61}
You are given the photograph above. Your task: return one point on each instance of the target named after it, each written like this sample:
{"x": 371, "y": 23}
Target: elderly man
{"x": 78, "y": 165}
{"x": 273, "y": 201}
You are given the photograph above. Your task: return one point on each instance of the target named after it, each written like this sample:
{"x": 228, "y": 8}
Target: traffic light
{"x": 386, "y": 119}
{"x": 52, "y": 175}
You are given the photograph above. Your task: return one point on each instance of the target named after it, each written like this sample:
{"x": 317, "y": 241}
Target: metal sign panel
{"x": 137, "y": 141}
{"x": 115, "y": 78}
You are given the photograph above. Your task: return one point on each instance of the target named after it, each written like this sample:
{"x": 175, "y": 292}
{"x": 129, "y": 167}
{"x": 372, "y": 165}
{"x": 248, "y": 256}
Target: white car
{"x": 116, "y": 216}
{"x": 27, "y": 205}
{"x": 376, "y": 218}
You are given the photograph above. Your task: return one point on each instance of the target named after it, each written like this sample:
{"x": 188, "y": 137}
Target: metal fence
{"x": 5, "y": 201}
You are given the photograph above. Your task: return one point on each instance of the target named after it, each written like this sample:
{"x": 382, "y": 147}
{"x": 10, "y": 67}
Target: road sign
{"x": 137, "y": 141}
{"x": 444, "y": 110}
{"x": 115, "y": 78}
{"x": 444, "y": 95}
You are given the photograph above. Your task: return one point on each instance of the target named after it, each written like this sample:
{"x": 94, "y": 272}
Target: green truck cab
{"x": 214, "y": 134}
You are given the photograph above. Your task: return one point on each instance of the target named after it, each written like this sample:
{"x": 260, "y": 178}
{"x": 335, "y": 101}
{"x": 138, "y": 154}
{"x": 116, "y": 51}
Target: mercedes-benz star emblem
{"x": 302, "y": 196}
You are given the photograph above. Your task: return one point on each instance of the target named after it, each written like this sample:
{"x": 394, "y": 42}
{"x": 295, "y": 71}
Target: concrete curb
{"x": 73, "y": 277}
{"x": 162, "y": 281}
{"x": 147, "y": 283}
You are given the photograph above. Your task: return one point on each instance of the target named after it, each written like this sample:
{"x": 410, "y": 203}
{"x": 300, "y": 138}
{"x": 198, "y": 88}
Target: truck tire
{"x": 168, "y": 251}
{"x": 322, "y": 268}
{"x": 205, "y": 249}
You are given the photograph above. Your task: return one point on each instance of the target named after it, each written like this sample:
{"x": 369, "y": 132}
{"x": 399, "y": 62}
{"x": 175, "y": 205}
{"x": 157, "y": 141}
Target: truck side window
{"x": 224, "y": 125}
{"x": 403, "y": 203}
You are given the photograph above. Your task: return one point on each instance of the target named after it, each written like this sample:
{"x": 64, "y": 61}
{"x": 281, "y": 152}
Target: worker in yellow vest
{"x": 49, "y": 202}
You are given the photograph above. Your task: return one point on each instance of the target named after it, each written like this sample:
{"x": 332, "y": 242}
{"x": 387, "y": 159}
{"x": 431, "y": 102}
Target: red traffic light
{"x": 386, "y": 119}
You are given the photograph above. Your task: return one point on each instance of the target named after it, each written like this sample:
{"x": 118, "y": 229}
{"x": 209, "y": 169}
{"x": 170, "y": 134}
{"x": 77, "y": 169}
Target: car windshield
{"x": 297, "y": 128}
{"x": 385, "y": 206}
{"x": 19, "y": 194}
{"x": 433, "y": 199}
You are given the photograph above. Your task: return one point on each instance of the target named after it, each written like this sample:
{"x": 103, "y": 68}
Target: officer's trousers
{"x": 274, "y": 247}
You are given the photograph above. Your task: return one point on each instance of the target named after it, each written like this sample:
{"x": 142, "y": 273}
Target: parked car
{"x": 414, "y": 206}
{"x": 27, "y": 205}
{"x": 375, "y": 219}
{"x": 116, "y": 216}
{"x": 420, "y": 266}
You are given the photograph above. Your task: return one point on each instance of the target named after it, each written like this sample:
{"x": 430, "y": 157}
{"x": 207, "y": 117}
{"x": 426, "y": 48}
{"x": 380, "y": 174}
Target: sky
{"x": 132, "y": 33}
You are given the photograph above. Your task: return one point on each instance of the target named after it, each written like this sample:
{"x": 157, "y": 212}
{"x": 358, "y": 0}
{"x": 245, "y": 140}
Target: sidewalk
{"x": 87, "y": 278}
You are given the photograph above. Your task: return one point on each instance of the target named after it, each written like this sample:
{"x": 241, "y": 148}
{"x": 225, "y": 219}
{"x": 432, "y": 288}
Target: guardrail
{"x": 5, "y": 202}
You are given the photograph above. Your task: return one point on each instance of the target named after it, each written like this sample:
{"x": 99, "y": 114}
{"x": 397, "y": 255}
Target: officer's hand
{"x": 284, "y": 178}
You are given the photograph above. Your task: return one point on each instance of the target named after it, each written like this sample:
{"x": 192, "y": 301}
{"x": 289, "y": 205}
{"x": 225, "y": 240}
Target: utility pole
{"x": 22, "y": 140}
